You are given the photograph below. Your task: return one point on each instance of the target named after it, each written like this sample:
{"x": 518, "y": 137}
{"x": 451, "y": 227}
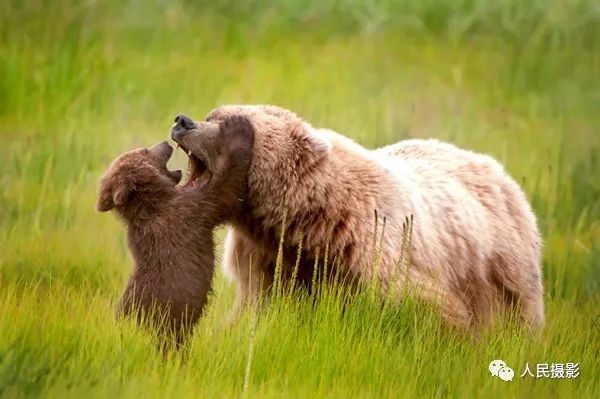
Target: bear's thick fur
{"x": 475, "y": 245}
{"x": 170, "y": 228}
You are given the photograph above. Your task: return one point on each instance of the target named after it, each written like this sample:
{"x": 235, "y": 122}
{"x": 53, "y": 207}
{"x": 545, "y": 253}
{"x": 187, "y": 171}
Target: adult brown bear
{"x": 475, "y": 245}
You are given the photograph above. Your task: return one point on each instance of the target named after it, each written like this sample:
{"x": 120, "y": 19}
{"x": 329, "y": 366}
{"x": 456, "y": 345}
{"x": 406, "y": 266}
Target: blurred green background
{"x": 82, "y": 81}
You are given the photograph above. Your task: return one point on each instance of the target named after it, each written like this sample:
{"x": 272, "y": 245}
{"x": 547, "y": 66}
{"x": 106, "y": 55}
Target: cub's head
{"x": 136, "y": 178}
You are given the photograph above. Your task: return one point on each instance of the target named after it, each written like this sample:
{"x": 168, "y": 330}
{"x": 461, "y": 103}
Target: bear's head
{"x": 285, "y": 145}
{"x": 215, "y": 147}
{"x": 138, "y": 180}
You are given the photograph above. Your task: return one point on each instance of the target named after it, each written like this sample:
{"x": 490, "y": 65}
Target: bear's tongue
{"x": 196, "y": 170}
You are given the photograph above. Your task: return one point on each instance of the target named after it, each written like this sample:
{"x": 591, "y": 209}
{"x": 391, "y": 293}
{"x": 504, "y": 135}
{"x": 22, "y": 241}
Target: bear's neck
{"x": 172, "y": 245}
{"x": 143, "y": 208}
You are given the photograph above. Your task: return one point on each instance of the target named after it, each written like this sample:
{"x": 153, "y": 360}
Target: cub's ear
{"x": 111, "y": 195}
{"x": 121, "y": 192}
{"x": 105, "y": 201}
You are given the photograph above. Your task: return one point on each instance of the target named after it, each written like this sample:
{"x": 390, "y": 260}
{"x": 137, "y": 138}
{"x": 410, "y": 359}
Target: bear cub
{"x": 170, "y": 227}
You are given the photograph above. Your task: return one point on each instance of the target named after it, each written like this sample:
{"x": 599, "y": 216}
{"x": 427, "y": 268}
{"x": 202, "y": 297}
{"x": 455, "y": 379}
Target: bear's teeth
{"x": 189, "y": 153}
{"x": 176, "y": 146}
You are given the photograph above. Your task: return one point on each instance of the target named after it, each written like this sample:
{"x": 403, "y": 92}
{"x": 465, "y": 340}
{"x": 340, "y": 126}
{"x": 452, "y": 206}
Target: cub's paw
{"x": 236, "y": 124}
{"x": 238, "y": 132}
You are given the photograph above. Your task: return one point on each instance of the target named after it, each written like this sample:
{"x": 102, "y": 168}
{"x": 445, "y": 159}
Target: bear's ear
{"x": 112, "y": 195}
{"x": 318, "y": 145}
{"x": 104, "y": 202}
{"x": 121, "y": 192}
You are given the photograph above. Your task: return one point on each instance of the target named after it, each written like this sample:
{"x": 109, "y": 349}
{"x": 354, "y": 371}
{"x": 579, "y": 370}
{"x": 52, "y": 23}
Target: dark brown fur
{"x": 170, "y": 228}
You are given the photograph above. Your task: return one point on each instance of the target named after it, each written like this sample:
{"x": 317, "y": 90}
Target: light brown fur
{"x": 475, "y": 244}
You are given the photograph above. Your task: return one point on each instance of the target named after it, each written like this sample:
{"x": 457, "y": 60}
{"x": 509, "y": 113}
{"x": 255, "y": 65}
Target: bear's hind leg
{"x": 530, "y": 308}
{"x": 452, "y": 308}
{"x": 521, "y": 288}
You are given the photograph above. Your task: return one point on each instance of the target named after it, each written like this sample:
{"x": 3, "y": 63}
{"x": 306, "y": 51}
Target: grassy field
{"x": 82, "y": 81}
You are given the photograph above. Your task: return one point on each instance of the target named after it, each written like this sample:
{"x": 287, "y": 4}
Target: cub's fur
{"x": 170, "y": 228}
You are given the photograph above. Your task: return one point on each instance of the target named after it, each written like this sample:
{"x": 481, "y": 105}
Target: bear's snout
{"x": 182, "y": 123}
{"x": 163, "y": 150}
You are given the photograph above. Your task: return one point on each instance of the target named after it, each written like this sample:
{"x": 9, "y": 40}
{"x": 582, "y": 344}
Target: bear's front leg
{"x": 250, "y": 267}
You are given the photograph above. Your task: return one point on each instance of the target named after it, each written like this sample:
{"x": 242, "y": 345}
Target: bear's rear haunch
{"x": 170, "y": 227}
{"x": 475, "y": 246}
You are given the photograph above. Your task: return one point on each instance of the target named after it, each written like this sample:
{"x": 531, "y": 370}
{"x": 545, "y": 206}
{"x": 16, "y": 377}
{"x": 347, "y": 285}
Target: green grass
{"x": 82, "y": 81}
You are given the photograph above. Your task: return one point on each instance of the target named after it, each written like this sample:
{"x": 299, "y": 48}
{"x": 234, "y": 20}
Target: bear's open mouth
{"x": 197, "y": 173}
{"x": 174, "y": 175}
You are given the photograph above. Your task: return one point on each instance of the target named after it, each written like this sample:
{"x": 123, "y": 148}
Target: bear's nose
{"x": 185, "y": 122}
